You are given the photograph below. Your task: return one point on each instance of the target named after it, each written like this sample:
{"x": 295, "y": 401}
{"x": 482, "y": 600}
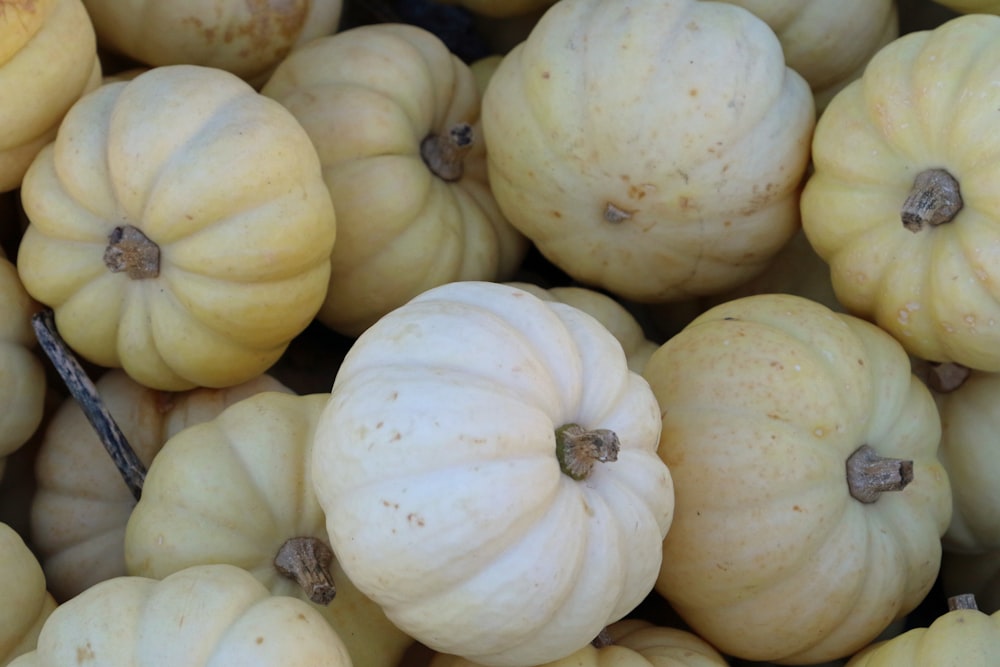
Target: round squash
{"x": 395, "y": 118}
{"x": 48, "y": 60}
{"x": 902, "y": 203}
{"x": 236, "y": 489}
{"x": 487, "y": 465}
{"x": 25, "y": 602}
{"x": 628, "y": 643}
{"x": 828, "y": 43}
{"x": 205, "y": 616}
{"x": 652, "y": 149}
{"x": 22, "y": 377}
{"x": 809, "y": 499}
{"x": 963, "y": 636}
{"x": 81, "y": 505}
{"x": 245, "y": 37}
{"x": 179, "y": 228}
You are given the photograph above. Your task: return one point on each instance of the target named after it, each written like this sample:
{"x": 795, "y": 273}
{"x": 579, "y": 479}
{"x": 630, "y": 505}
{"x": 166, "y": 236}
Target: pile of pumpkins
{"x": 669, "y": 333}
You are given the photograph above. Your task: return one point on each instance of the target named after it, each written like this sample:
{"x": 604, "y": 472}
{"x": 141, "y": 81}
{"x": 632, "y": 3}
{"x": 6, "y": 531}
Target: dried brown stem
{"x": 307, "y": 560}
{"x": 934, "y": 199}
{"x": 963, "y": 601}
{"x": 870, "y": 475}
{"x": 578, "y": 449}
{"x": 131, "y": 252}
{"x": 444, "y": 154}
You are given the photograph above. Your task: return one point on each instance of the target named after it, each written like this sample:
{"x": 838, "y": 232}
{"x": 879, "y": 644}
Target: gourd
{"x": 245, "y": 37}
{"x": 26, "y": 603}
{"x": 22, "y": 378}
{"x": 810, "y": 502}
{"x": 48, "y": 60}
{"x": 613, "y": 315}
{"x": 963, "y": 636}
{"x": 395, "y": 118}
{"x": 680, "y": 175}
{"x": 828, "y": 43}
{"x": 969, "y": 453}
{"x": 901, "y": 203}
{"x": 625, "y": 643}
{"x": 487, "y": 465}
{"x": 179, "y": 228}
{"x": 205, "y": 616}
{"x": 80, "y": 506}
{"x": 235, "y": 489}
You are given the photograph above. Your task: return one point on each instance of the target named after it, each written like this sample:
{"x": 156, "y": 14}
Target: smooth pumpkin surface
{"x": 773, "y": 554}
{"x": 48, "y": 60}
{"x": 902, "y": 203}
{"x": 205, "y": 616}
{"x": 179, "y": 228}
{"x": 437, "y": 459}
{"x": 235, "y": 489}
{"x": 680, "y": 174}
{"x": 81, "y": 505}
{"x": 395, "y": 118}
{"x": 26, "y": 603}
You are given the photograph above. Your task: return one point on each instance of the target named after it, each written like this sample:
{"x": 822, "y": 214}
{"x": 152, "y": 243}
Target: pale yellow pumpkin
{"x": 235, "y": 489}
{"x": 245, "y": 37}
{"x": 81, "y": 505}
{"x": 48, "y": 60}
{"x": 828, "y": 43}
{"x": 778, "y": 416}
{"x": 179, "y": 228}
{"x": 22, "y": 377}
{"x": 395, "y": 118}
{"x": 652, "y": 149}
{"x": 902, "y": 203}
{"x": 24, "y": 601}
{"x": 205, "y": 616}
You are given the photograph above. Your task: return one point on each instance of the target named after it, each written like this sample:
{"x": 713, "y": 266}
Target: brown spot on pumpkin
{"x": 693, "y": 92}
{"x": 796, "y": 508}
{"x": 301, "y": 616}
{"x": 260, "y": 640}
{"x": 415, "y": 519}
{"x": 556, "y": 214}
{"x": 546, "y": 75}
{"x": 84, "y": 654}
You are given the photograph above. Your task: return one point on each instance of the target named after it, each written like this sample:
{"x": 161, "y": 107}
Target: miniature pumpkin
{"x": 680, "y": 174}
{"x": 235, "y": 489}
{"x": 179, "y": 228}
{"x": 613, "y": 315}
{"x": 902, "y": 202}
{"x": 395, "y": 118}
{"x": 963, "y": 636}
{"x": 26, "y": 603}
{"x": 48, "y": 60}
{"x": 81, "y": 505}
{"x": 828, "y": 43}
{"x": 809, "y": 499}
{"x": 245, "y": 37}
{"x": 481, "y": 444}
{"x": 22, "y": 377}
{"x": 205, "y": 616}
{"x": 628, "y": 642}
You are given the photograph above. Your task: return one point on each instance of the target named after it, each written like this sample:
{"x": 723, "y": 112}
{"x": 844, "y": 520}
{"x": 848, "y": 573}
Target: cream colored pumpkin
{"x": 245, "y": 37}
{"x": 439, "y": 461}
{"x": 25, "y": 602}
{"x": 902, "y": 202}
{"x": 235, "y": 489}
{"x": 179, "y": 228}
{"x": 395, "y": 118}
{"x": 81, "y": 505}
{"x": 628, "y": 643}
{"x": 828, "y": 43}
{"x": 205, "y": 616}
{"x": 48, "y": 60}
{"x": 22, "y": 377}
{"x": 652, "y": 149}
{"x": 613, "y": 315}
{"x": 783, "y": 547}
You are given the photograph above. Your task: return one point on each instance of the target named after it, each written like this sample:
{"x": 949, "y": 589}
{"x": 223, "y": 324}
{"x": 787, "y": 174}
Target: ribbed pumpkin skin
{"x": 26, "y": 603}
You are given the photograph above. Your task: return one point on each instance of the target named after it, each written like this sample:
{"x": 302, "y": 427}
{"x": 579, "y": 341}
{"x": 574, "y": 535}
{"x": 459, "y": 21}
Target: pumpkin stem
{"x": 934, "y": 199}
{"x": 578, "y": 449}
{"x": 946, "y": 377}
{"x": 603, "y": 639}
{"x": 869, "y": 475}
{"x": 84, "y": 392}
{"x": 615, "y": 214}
{"x": 307, "y": 561}
{"x": 132, "y": 252}
{"x": 963, "y": 601}
{"x": 443, "y": 155}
